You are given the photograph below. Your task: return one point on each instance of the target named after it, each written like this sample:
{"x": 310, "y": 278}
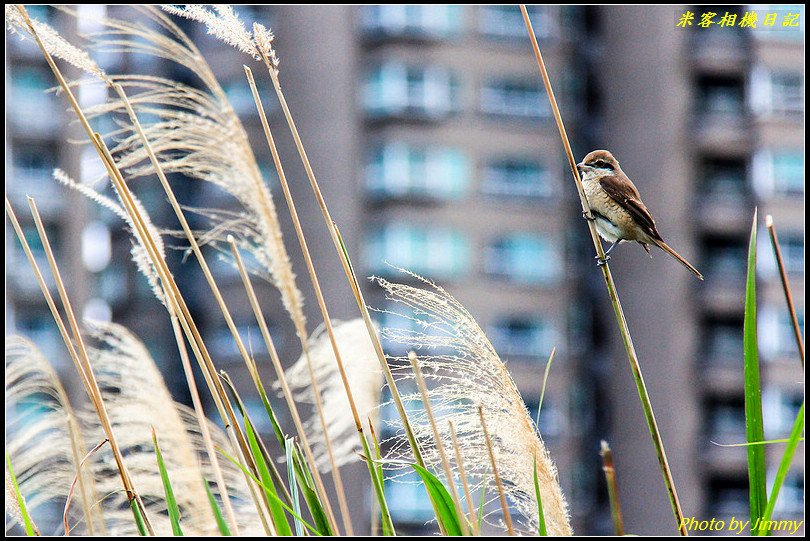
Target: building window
{"x": 33, "y": 111}
{"x": 775, "y": 332}
{"x": 522, "y": 336}
{"x": 725, "y": 259}
{"x": 723, "y": 340}
{"x": 726, "y": 419}
{"x": 36, "y": 323}
{"x": 431, "y": 21}
{"x": 791, "y": 497}
{"x": 728, "y": 495}
{"x": 506, "y": 22}
{"x": 517, "y": 177}
{"x": 399, "y": 169}
{"x": 779, "y": 408}
{"x": 779, "y": 172}
{"x": 724, "y": 177}
{"x": 433, "y": 252}
{"x": 516, "y": 98}
{"x": 241, "y": 98}
{"x": 523, "y": 258}
{"x": 394, "y": 89}
{"x": 777, "y": 93}
{"x": 721, "y": 96}
{"x": 407, "y": 499}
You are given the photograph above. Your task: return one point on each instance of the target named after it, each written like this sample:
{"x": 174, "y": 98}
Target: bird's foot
{"x": 602, "y": 262}
{"x": 588, "y": 216}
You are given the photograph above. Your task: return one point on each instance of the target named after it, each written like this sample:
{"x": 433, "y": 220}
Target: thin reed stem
{"x": 797, "y": 330}
{"x": 206, "y": 270}
{"x": 613, "y": 487}
{"x": 93, "y": 390}
{"x": 612, "y": 292}
{"x": 312, "y": 274}
{"x": 461, "y": 473}
{"x": 344, "y": 259}
{"x": 232, "y": 427}
{"x": 501, "y": 495}
{"x": 288, "y": 396}
{"x": 448, "y": 472}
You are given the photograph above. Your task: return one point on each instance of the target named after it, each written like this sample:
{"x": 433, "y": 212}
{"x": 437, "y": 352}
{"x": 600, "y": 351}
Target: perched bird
{"x": 617, "y": 208}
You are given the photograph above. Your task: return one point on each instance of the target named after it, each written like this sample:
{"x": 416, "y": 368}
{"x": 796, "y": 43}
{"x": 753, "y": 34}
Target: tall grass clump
{"x": 463, "y": 371}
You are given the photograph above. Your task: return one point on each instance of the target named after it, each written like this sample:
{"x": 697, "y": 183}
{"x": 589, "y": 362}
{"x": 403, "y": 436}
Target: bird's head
{"x": 597, "y": 164}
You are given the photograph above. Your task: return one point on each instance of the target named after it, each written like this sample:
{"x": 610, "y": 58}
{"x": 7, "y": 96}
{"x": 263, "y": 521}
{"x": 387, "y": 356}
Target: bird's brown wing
{"x": 623, "y": 191}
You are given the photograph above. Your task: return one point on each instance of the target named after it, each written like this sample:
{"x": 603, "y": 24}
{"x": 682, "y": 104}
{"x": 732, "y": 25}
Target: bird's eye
{"x": 601, "y": 164}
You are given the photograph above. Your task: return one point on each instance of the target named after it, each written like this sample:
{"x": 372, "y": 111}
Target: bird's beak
{"x": 580, "y": 166}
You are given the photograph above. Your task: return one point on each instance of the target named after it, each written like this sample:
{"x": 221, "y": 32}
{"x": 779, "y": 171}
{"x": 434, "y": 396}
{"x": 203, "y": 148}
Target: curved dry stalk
{"x": 464, "y": 370}
{"x": 624, "y": 330}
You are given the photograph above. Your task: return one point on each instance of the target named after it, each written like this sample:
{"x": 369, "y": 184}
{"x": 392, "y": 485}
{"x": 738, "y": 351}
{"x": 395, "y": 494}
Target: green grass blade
{"x": 289, "y": 449}
{"x": 28, "y": 523}
{"x": 543, "y": 389}
{"x": 377, "y": 482}
{"x": 481, "y": 504}
{"x": 386, "y": 525}
{"x": 444, "y": 502}
{"x": 757, "y": 474}
{"x": 221, "y": 523}
{"x": 307, "y": 486}
{"x": 139, "y": 521}
{"x": 784, "y": 466}
{"x": 271, "y": 492}
{"x": 171, "y": 501}
{"x": 277, "y": 511}
{"x": 541, "y": 518}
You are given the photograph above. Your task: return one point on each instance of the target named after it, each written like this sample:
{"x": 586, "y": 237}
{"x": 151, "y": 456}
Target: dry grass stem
{"x": 627, "y": 339}
{"x": 501, "y": 494}
{"x": 463, "y": 475}
{"x": 613, "y": 487}
{"x": 437, "y": 437}
{"x": 797, "y": 330}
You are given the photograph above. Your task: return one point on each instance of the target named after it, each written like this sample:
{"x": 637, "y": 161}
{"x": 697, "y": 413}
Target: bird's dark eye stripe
{"x": 603, "y": 165}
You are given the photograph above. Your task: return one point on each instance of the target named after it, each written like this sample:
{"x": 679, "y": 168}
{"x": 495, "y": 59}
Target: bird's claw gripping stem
{"x": 600, "y": 262}
{"x": 588, "y": 216}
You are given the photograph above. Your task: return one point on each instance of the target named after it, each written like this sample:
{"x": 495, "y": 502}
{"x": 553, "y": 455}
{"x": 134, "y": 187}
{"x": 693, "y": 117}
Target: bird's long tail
{"x": 664, "y": 246}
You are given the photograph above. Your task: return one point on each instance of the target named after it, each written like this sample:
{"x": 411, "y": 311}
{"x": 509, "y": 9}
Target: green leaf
{"x": 753, "y": 393}
{"x": 270, "y": 491}
{"x": 136, "y": 511}
{"x": 541, "y": 518}
{"x": 308, "y": 491}
{"x": 443, "y": 501}
{"x": 784, "y": 466}
{"x": 543, "y": 390}
{"x": 481, "y": 504}
{"x": 221, "y": 523}
{"x": 277, "y": 511}
{"x": 387, "y": 525}
{"x": 30, "y": 527}
{"x": 291, "y": 479}
{"x": 171, "y": 502}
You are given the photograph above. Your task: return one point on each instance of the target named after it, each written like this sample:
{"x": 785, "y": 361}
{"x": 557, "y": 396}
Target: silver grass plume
{"x": 43, "y": 437}
{"x": 195, "y": 132}
{"x": 365, "y": 380}
{"x": 138, "y": 250}
{"x": 225, "y": 25}
{"x": 463, "y": 370}
{"x": 54, "y": 43}
{"x": 137, "y": 399}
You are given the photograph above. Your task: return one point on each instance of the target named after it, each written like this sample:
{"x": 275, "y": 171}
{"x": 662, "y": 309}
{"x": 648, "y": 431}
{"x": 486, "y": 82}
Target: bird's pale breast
{"x": 619, "y": 224}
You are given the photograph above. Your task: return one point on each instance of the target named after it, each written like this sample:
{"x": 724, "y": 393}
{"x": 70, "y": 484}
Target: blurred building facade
{"x": 432, "y": 139}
